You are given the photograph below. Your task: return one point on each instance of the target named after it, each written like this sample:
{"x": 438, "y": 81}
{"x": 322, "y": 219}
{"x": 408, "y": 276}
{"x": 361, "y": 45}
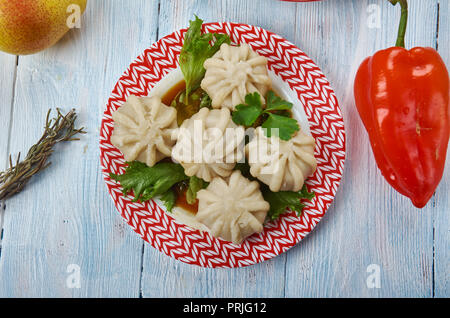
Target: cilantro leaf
{"x": 147, "y": 182}
{"x": 246, "y": 115}
{"x": 195, "y": 185}
{"x": 286, "y": 126}
{"x": 275, "y": 103}
{"x": 196, "y": 49}
{"x": 279, "y": 201}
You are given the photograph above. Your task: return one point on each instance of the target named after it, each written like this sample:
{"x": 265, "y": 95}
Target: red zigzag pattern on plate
{"x": 327, "y": 126}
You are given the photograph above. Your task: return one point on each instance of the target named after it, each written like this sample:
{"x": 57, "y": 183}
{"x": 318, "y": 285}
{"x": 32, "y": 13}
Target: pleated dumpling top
{"x": 142, "y": 129}
{"x": 232, "y": 208}
{"x": 209, "y": 144}
{"x": 282, "y": 165}
{"x": 232, "y": 73}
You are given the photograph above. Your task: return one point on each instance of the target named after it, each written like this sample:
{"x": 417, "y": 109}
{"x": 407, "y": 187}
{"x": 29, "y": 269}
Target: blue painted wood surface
{"x": 65, "y": 218}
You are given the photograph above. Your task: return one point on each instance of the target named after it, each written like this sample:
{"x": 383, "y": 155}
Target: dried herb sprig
{"x": 61, "y": 128}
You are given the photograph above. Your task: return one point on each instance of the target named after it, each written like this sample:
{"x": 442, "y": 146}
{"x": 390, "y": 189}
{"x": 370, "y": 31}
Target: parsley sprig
{"x": 274, "y": 116}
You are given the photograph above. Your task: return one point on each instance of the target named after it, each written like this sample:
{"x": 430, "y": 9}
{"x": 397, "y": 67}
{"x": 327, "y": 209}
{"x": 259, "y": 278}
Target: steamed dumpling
{"x": 209, "y": 144}
{"x": 232, "y": 209}
{"x": 142, "y": 129}
{"x": 282, "y": 165}
{"x": 232, "y": 73}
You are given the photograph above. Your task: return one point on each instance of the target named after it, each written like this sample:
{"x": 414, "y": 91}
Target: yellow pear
{"x": 29, "y": 26}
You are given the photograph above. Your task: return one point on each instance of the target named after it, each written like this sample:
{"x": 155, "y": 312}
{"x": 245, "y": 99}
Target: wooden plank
{"x": 66, "y": 216}
{"x": 369, "y": 222}
{"x": 164, "y": 276}
{"x": 7, "y": 78}
{"x": 175, "y": 15}
{"x": 442, "y": 219}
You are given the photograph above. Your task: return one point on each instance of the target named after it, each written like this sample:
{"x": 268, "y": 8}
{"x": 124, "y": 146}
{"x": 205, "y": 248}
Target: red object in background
{"x": 403, "y": 99}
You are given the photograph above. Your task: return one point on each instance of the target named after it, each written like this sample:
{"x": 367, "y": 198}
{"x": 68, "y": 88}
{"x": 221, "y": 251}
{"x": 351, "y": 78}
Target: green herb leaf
{"x": 195, "y": 185}
{"x": 246, "y": 115}
{"x": 305, "y": 194}
{"x": 286, "y": 126}
{"x": 206, "y": 101}
{"x": 275, "y": 103}
{"x": 196, "y": 49}
{"x": 279, "y": 201}
{"x": 147, "y": 182}
{"x": 169, "y": 198}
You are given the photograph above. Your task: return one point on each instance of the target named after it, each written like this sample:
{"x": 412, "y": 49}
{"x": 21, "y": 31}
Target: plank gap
{"x": 157, "y": 25}
{"x": 284, "y": 274}
{"x": 433, "y": 274}
{"x": 433, "y": 285}
{"x": 142, "y": 269}
{"x": 2, "y": 211}
{"x": 437, "y": 25}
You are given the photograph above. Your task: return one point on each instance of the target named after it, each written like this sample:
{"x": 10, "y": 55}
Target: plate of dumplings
{"x": 222, "y": 145}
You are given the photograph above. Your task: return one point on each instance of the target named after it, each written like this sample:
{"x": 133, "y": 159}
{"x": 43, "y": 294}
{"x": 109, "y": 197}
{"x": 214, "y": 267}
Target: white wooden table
{"x": 65, "y": 220}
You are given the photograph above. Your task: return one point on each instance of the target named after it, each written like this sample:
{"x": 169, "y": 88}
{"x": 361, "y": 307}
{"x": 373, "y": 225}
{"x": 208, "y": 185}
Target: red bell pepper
{"x": 402, "y": 97}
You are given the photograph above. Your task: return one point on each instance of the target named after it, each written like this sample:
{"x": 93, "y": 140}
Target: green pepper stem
{"x": 403, "y": 22}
